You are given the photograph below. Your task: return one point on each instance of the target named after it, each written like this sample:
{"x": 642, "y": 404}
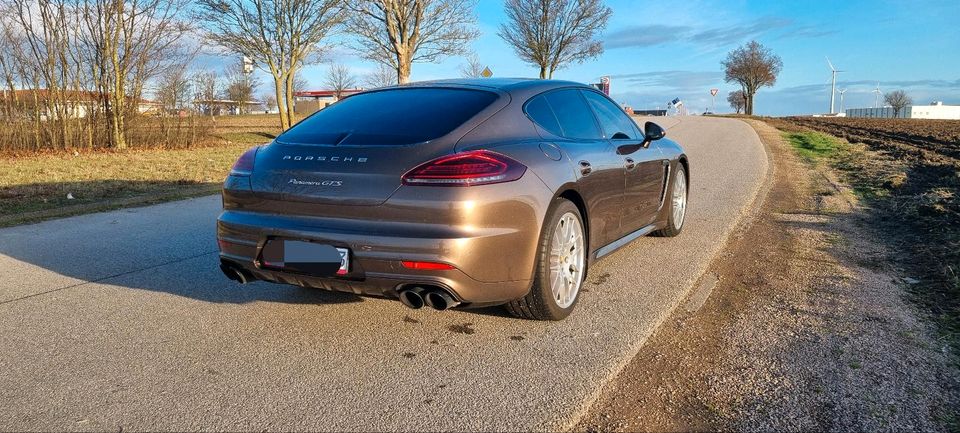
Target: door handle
{"x": 629, "y": 164}
{"x": 585, "y": 168}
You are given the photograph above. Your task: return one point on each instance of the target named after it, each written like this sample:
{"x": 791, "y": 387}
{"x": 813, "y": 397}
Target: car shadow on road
{"x": 212, "y": 289}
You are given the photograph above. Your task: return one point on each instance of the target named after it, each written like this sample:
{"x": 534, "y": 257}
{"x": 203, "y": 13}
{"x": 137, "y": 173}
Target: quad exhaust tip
{"x": 418, "y": 297}
{"x": 413, "y": 298}
{"x": 440, "y": 300}
{"x": 237, "y": 274}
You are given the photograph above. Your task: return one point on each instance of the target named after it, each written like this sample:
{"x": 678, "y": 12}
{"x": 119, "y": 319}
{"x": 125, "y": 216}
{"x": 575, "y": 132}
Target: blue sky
{"x": 656, "y": 50}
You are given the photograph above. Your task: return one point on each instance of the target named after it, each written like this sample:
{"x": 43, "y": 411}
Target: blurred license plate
{"x": 306, "y": 257}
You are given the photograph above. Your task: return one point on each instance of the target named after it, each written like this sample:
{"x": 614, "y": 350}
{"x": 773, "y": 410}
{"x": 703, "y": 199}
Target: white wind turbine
{"x": 841, "y": 92}
{"x": 833, "y": 85}
{"x": 876, "y": 104}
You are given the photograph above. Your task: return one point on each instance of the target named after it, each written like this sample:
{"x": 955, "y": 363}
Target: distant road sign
{"x": 487, "y": 73}
{"x": 713, "y": 92}
{"x": 605, "y": 85}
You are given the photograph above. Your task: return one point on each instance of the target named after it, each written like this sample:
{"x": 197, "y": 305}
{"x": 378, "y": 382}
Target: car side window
{"x": 612, "y": 118}
{"x": 542, "y": 114}
{"x": 575, "y": 118}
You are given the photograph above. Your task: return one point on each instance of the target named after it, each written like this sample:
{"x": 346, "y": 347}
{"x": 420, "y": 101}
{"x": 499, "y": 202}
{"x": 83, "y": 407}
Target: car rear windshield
{"x": 394, "y": 117}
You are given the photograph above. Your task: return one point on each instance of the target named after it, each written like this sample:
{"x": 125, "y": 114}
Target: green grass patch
{"x": 813, "y": 146}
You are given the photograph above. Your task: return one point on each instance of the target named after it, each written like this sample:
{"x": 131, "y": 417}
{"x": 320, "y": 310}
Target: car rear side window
{"x": 612, "y": 118}
{"x": 540, "y": 112}
{"x": 394, "y": 117}
{"x": 573, "y": 114}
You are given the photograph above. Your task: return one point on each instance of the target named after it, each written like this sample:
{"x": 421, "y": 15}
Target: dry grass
{"x": 36, "y": 187}
{"x": 250, "y": 128}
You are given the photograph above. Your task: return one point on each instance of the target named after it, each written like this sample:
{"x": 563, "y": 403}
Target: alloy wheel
{"x": 567, "y": 259}
{"x": 679, "y": 199}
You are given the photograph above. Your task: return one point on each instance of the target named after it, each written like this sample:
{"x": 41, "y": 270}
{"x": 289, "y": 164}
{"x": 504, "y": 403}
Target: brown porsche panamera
{"x": 453, "y": 193}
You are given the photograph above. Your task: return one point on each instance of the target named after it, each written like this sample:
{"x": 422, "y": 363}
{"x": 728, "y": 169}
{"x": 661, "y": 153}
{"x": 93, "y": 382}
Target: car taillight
{"x": 244, "y": 164}
{"x": 476, "y": 167}
{"x": 427, "y": 266}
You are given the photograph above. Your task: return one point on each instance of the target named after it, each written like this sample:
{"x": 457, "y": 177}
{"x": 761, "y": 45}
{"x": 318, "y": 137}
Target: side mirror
{"x": 653, "y": 132}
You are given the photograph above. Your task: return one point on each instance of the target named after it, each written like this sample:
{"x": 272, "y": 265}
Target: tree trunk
{"x": 748, "y": 110}
{"x": 543, "y": 72}
{"x": 116, "y": 129}
{"x": 403, "y": 73}
{"x": 404, "y": 61}
{"x": 117, "y": 108}
{"x": 279, "y": 84}
{"x": 291, "y": 102}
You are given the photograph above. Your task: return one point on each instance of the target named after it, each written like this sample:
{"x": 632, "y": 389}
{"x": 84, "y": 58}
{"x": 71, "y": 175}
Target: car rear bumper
{"x": 497, "y": 256}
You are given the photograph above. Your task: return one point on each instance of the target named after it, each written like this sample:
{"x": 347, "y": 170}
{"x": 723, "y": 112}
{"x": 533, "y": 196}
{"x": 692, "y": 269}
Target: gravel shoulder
{"x": 798, "y": 325}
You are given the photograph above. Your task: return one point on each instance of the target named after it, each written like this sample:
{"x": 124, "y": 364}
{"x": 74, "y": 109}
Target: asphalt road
{"x": 122, "y": 320}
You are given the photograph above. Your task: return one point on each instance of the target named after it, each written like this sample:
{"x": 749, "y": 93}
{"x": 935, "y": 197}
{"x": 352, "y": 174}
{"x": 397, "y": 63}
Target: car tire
{"x": 676, "y": 205}
{"x": 556, "y": 286}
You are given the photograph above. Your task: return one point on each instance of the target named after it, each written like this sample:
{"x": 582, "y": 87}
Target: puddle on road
{"x": 466, "y": 328}
{"x": 601, "y": 279}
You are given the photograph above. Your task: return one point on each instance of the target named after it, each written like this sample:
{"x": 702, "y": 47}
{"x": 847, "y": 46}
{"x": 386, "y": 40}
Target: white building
{"x": 935, "y": 110}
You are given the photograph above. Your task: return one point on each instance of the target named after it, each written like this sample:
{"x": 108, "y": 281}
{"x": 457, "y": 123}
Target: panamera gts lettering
{"x": 316, "y": 182}
{"x": 325, "y": 158}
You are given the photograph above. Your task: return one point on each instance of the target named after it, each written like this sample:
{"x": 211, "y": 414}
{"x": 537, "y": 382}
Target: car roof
{"x": 513, "y": 86}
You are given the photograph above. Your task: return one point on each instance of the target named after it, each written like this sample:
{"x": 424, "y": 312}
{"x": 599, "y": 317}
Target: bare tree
{"x": 383, "y": 76}
{"x": 398, "y": 33}
{"x": 75, "y": 71}
{"x": 269, "y": 101}
{"x": 554, "y": 33}
{"x": 91, "y": 59}
{"x": 47, "y": 49}
{"x": 279, "y": 35}
{"x": 473, "y": 68}
{"x": 752, "y": 66}
{"x": 737, "y": 100}
{"x": 300, "y": 83}
{"x": 174, "y": 89}
{"x": 898, "y": 99}
{"x": 206, "y": 86}
{"x": 130, "y": 42}
{"x": 241, "y": 86}
{"x": 339, "y": 78}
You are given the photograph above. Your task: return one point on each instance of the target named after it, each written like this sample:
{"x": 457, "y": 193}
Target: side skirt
{"x": 617, "y": 244}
